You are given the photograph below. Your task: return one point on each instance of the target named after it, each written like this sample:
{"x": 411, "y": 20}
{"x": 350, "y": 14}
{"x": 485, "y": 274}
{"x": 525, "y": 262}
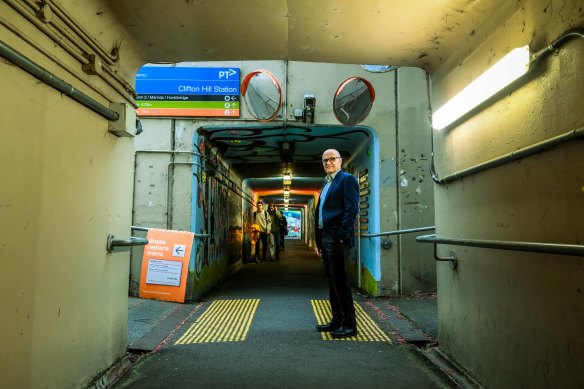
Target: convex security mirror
{"x": 379, "y": 68}
{"x": 262, "y": 94}
{"x": 353, "y": 100}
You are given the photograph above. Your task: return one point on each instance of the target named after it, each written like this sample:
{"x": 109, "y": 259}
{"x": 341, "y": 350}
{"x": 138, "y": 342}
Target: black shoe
{"x": 327, "y": 327}
{"x": 343, "y": 332}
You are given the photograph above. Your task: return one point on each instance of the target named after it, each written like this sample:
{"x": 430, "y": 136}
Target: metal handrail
{"x": 386, "y": 243}
{"x": 116, "y": 245}
{"x": 549, "y": 248}
{"x": 398, "y": 232}
{"x": 137, "y": 228}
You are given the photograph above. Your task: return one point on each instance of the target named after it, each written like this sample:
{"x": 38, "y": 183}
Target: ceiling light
{"x": 508, "y": 69}
{"x": 286, "y": 201}
{"x": 286, "y": 191}
{"x": 287, "y": 179}
{"x": 287, "y": 151}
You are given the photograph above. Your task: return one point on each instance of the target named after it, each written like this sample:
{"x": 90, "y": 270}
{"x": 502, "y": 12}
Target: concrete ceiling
{"x": 430, "y": 34}
{"x": 420, "y": 33}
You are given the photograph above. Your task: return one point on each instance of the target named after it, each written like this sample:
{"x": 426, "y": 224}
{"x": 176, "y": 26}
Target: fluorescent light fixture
{"x": 287, "y": 179}
{"x": 508, "y": 69}
{"x": 286, "y": 201}
{"x": 286, "y": 191}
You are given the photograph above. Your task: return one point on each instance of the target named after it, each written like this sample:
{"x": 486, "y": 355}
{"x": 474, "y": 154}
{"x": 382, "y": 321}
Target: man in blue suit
{"x": 335, "y": 219}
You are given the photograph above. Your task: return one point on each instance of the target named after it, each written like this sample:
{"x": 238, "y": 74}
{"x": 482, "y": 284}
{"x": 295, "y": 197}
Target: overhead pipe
{"x": 55, "y": 82}
{"x": 194, "y": 154}
{"x": 123, "y": 89}
{"x": 168, "y": 186}
{"x": 110, "y": 58}
{"x": 41, "y": 26}
{"x": 215, "y": 178}
{"x": 53, "y": 58}
{"x": 512, "y": 156}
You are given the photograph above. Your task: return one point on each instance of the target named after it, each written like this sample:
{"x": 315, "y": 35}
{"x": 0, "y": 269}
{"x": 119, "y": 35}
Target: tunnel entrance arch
{"x": 259, "y": 156}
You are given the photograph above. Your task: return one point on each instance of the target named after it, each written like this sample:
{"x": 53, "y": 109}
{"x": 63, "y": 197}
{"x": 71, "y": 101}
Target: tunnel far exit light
{"x": 508, "y": 69}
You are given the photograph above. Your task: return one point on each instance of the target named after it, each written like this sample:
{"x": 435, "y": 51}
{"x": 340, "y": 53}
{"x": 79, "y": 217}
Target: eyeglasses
{"x": 331, "y": 160}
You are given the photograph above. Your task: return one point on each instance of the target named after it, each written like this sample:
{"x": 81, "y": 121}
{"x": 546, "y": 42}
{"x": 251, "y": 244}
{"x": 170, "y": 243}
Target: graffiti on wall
{"x": 216, "y": 214}
{"x": 294, "y": 219}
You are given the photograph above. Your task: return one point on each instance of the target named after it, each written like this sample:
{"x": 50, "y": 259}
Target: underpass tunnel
{"x": 206, "y": 175}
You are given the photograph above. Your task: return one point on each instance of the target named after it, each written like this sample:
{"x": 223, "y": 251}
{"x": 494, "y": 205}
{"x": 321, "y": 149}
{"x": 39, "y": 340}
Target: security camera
{"x": 309, "y": 108}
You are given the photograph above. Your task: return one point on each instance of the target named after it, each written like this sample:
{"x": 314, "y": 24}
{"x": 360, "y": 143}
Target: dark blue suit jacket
{"x": 340, "y": 208}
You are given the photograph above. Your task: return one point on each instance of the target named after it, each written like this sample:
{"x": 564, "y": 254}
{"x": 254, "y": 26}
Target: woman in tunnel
{"x": 262, "y": 218}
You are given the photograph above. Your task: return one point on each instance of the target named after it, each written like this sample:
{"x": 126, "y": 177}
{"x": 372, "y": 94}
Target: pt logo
{"x": 226, "y": 73}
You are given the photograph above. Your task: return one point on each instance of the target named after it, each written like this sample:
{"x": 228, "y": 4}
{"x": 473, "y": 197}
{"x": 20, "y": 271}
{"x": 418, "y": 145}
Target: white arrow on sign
{"x": 179, "y": 250}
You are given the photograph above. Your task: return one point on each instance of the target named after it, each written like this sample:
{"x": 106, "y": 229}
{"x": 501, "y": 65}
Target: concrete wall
{"x": 66, "y": 185}
{"x": 515, "y": 319}
{"x": 415, "y": 193}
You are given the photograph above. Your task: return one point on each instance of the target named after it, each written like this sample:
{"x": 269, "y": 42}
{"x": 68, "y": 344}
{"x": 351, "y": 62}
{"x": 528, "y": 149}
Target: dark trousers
{"x": 264, "y": 239}
{"x": 282, "y": 239}
{"x": 276, "y": 245}
{"x": 341, "y": 298}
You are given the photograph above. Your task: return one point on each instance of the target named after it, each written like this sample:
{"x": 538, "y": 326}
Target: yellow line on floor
{"x": 367, "y": 329}
{"x": 223, "y": 321}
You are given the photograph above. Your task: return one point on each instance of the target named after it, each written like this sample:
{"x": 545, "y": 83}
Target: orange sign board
{"x": 165, "y": 265}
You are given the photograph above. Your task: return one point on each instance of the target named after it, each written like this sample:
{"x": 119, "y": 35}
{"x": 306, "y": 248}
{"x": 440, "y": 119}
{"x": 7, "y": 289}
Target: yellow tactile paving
{"x": 367, "y": 330}
{"x": 223, "y": 321}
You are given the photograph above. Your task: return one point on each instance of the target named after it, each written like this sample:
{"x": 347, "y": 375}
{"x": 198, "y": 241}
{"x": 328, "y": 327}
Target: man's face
{"x": 260, "y": 207}
{"x": 331, "y": 162}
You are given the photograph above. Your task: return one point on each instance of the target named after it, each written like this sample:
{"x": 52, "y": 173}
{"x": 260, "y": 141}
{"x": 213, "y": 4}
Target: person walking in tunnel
{"x": 262, "y": 218}
{"x": 274, "y": 237}
{"x": 336, "y": 210}
{"x": 283, "y": 230}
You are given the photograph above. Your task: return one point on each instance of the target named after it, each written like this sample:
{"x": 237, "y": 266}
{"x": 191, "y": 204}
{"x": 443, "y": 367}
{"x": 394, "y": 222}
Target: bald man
{"x": 336, "y": 210}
